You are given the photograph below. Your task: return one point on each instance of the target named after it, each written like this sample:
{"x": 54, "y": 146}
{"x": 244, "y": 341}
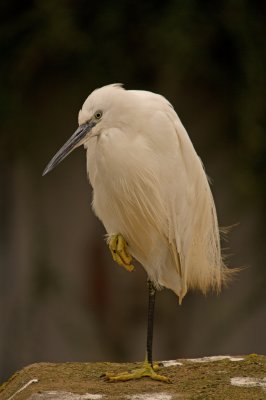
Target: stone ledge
{"x": 219, "y": 378}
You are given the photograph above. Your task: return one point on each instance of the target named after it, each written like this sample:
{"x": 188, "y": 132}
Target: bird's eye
{"x": 98, "y": 115}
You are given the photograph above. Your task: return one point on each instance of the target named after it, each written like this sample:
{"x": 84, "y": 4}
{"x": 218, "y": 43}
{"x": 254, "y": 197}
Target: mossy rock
{"x": 216, "y": 378}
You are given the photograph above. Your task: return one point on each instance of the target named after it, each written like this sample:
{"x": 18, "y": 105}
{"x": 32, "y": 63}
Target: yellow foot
{"x": 145, "y": 371}
{"x": 120, "y": 254}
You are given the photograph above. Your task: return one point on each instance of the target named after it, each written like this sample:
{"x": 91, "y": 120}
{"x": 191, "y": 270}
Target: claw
{"x": 147, "y": 370}
{"x": 118, "y": 248}
{"x": 122, "y": 250}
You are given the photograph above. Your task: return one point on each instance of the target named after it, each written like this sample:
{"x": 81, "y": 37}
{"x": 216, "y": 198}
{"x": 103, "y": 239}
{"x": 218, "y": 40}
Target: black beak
{"x": 70, "y": 145}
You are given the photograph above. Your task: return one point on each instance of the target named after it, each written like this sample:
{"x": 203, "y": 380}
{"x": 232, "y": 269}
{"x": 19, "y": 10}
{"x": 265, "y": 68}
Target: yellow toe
{"x": 146, "y": 371}
{"x": 119, "y": 251}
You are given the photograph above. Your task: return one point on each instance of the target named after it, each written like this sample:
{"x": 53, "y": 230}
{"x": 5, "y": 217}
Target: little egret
{"x": 152, "y": 195}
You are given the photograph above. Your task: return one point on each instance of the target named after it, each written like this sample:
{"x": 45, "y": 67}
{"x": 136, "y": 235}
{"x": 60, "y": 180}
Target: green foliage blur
{"x": 193, "y": 45}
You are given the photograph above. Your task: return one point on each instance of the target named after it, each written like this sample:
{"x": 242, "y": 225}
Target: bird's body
{"x": 151, "y": 193}
{"x": 150, "y": 186}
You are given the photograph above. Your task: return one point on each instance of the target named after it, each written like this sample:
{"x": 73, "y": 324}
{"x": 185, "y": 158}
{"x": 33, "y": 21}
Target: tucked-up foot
{"x": 119, "y": 251}
{"x": 145, "y": 371}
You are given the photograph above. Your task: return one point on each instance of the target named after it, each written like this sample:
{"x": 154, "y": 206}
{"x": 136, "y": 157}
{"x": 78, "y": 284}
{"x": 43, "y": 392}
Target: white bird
{"x": 151, "y": 193}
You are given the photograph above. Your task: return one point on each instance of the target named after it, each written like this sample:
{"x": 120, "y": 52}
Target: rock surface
{"x": 219, "y": 378}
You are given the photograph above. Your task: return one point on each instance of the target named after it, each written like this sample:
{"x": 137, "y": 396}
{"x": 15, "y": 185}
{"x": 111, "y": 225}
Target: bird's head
{"x": 98, "y": 111}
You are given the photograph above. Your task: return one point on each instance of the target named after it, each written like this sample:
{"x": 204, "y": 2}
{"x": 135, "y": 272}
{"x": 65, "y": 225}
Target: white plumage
{"x": 152, "y": 195}
{"x": 150, "y": 186}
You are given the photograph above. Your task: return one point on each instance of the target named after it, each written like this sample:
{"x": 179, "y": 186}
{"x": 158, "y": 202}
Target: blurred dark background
{"x": 61, "y": 296}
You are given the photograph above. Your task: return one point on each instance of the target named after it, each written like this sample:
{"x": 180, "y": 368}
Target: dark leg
{"x": 152, "y": 293}
{"x": 148, "y": 369}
